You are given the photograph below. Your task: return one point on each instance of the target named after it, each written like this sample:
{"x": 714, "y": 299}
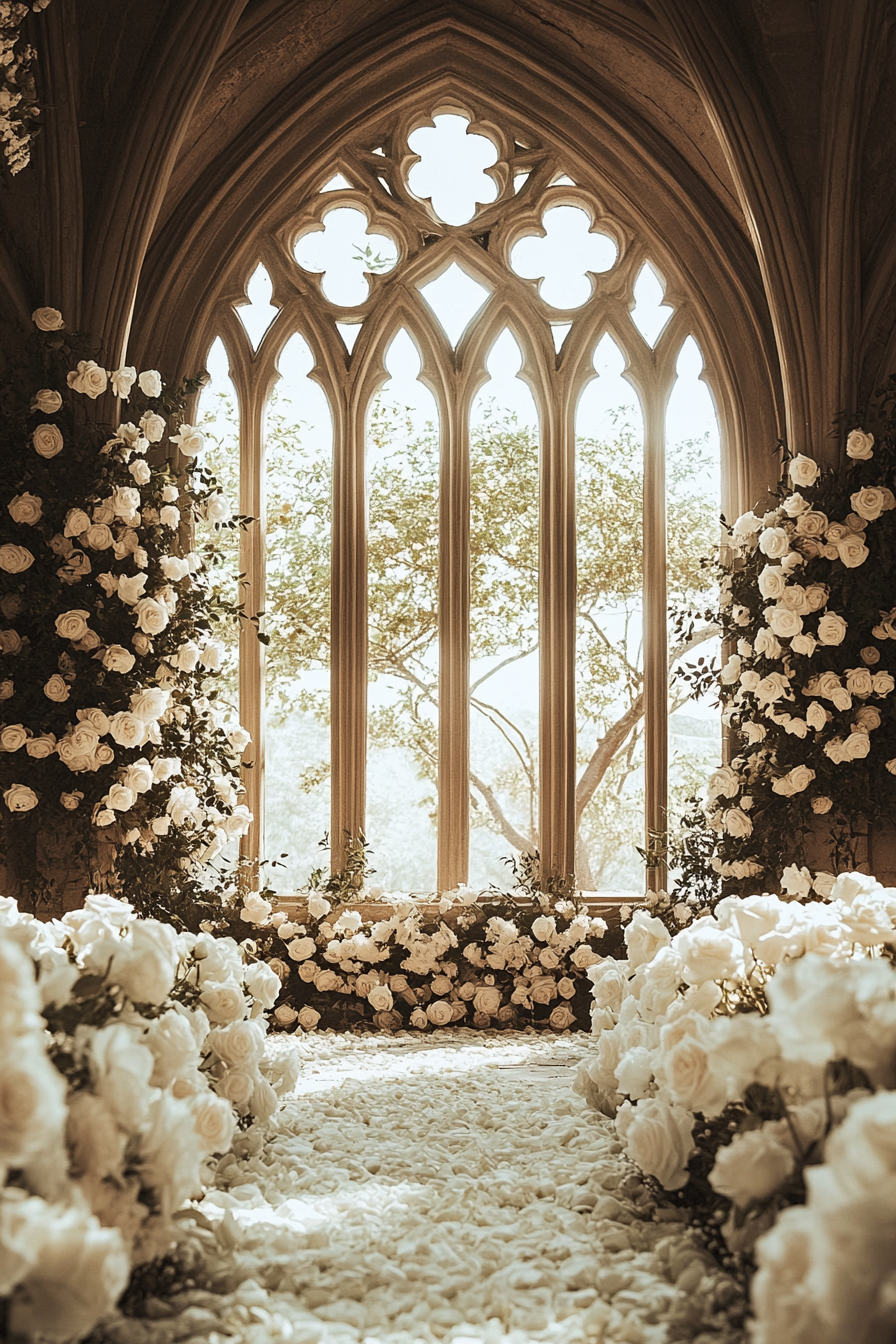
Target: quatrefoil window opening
{"x": 345, "y": 250}
{"x": 562, "y": 258}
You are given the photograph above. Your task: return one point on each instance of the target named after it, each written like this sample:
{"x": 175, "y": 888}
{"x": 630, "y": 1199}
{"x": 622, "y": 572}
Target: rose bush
{"x": 115, "y": 1093}
{"x": 807, "y": 689}
{"x": 749, "y": 1057}
{"x": 98, "y": 607}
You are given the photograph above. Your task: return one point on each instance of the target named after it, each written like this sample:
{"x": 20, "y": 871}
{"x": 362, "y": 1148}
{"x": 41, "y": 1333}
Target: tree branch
{"x": 505, "y": 826}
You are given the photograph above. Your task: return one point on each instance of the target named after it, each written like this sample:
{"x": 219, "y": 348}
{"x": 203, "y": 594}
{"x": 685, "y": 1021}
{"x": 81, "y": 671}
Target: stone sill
{"x": 604, "y": 905}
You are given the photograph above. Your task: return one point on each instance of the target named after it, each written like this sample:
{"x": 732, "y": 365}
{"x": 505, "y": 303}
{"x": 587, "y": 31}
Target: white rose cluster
{"x": 109, "y": 1144}
{"x": 768, "y": 993}
{"x": 412, "y": 967}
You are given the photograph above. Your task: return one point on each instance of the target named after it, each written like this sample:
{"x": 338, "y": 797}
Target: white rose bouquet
{"x": 810, "y": 672}
{"x": 111, "y": 731}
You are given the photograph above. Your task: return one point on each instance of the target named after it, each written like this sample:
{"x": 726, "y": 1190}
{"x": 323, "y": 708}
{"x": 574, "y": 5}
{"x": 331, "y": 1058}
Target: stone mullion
{"x": 348, "y": 633}
{"x": 454, "y": 646}
{"x": 252, "y": 402}
{"x": 656, "y": 647}
{"x": 557, "y": 632}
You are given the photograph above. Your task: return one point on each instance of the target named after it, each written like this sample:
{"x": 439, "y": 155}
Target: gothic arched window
{"x": 468, "y": 411}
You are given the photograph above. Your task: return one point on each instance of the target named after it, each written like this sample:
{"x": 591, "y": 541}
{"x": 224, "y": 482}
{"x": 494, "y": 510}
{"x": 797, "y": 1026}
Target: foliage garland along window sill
{"x": 807, "y": 611}
{"x": 392, "y": 289}
{"x": 112, "y": 742}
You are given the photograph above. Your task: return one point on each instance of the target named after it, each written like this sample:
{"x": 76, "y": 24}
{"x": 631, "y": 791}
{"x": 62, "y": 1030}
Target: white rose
{"x": 57, "y": 689}
{"x": 120, "y": 798}
{"x": 47, "y": 441}
{"x": 182, "y": 803}
{"x": 853, "y": 551}
{"x": 169, "y": 516}
{"x": 130, "y": 588}
{"x": 561, "y": 1018}
{"x": 118, "y": 659}
{"x": 831, "y": 629}
{"x": 380, "y": 998}
{"x": 737, "y": 823}
{"x": 175, "y": 569}
{"x": 32, "y": 1101}
{"x": 610, "y": 980}
{"x": 256, "y": 910}
{"x": 15, "y": 559}
{"x": 217, "y": 509}
{"x": 153, "y": 426}
{"x": 487, "y": 999}
{"x": 883, "y": 683}
{"x": 308, "y": 1018}
{"x": 543, "y": 990}
{"x": 708, "y": 952}
{"x": 752, "y": 1167}
{"x": 88, "y": 379}
{"x": 80, "y": 1271}
{"x": 783, "y": 622}
{"x": 41, "y": 747}
{"x": 263, "y": 984}
{"x": 211, "y": 655}
{"x": 72, "y": 624}
{"x": 318, "y": 906}
{"x": 439, "y": 1012}
{"x": 774, "y": 542}
{"x": 859, "y": 445}
{"x": 48, "y": 319}
{"x": 190, "y": 440}
{"x": 544, "y": 928}
{"x": 139, "y": 776}
{"x": 127, "y": 730}
{"x": 237, "y": 736}
{"x": 25, "y": 508}
{"x": 691, "y": 1079}
{"x": 47, "y": 401}
{"x": 645, "y": 935}
{"x": 123, "y": 380}
{"x": 871, "y": 502}
{"x": 152, "y": 616}
{"x": 658, "y": 1138}
{"x": 13, "y": 736}
{"x": 124, "y": 501}
{"x": 300, "y": 949}
{"x": 772, "y": 582}
{"x": 98, "y": 537}
{"x": 224, "y": 1002}
{"x": 140, "y": 471}
{"x": 285, "y": 1015}
{"x": 150, "y": 383}
{"x": 240, "y": 1045}
{"x": 746, "y": 526}
{"x": 214, "y": 1122}
{"x": 150, "y": 704}
{"x": 238, "y": 822}
{"x": 803, "y": 471}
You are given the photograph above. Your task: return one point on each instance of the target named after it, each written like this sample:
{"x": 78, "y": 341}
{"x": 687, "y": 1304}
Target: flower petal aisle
{"x": 453, "y": 1190}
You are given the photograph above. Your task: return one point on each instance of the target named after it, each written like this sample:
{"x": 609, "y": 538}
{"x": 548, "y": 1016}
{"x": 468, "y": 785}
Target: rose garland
{"x": 18, "y": 103}
{"x": 807, "y": 688}
{"x": 108, "y": 660}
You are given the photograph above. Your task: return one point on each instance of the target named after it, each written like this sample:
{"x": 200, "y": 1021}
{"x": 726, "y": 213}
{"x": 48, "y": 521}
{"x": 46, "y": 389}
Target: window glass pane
{"x": 298, "y": 473}
{"x": 218, "y": 417}
{"x": 693, "y": 504}
{"x": 403, "y": 649}
{"x": 609, "y": 645}
{"x": 504, "y": 617}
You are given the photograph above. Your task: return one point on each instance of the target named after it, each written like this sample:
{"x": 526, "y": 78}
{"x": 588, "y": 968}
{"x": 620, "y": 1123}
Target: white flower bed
{"x": 748, "y": 1061}
{"x": 421, "y": 1191}
{"x": 126, "y": 1054}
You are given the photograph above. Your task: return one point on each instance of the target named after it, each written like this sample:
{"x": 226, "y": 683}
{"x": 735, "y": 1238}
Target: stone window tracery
{"x": 454, "y": 262}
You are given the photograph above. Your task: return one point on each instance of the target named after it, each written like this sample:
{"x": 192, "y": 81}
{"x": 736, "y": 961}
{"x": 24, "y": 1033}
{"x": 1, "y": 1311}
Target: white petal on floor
{"x": 450, "y": 1188}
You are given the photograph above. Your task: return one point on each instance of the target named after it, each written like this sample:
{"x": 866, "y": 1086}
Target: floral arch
{"x": 253, "y": 224}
